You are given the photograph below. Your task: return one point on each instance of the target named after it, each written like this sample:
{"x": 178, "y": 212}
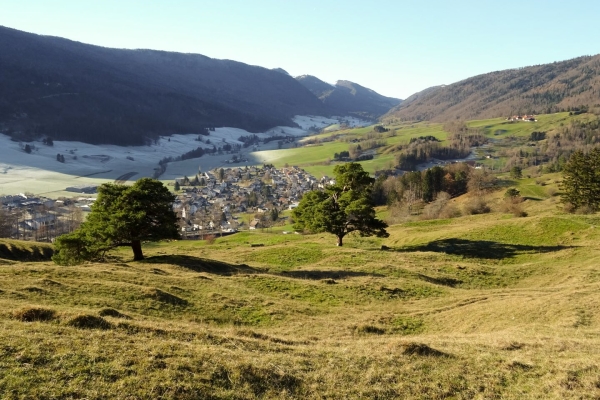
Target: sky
{"x": 395, "y": 47}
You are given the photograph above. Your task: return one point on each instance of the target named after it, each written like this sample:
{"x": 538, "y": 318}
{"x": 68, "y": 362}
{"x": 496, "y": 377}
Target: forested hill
{"x": 531, "y": 90}
{"x": 74, "y": 91}
{"x": 349, "y": 98}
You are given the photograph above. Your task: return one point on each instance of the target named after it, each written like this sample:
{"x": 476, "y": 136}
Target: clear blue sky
{"x": 395, "y": 47}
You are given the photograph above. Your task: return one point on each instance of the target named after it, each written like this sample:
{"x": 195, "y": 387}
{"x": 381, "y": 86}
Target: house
{"x": 255, "y": 224}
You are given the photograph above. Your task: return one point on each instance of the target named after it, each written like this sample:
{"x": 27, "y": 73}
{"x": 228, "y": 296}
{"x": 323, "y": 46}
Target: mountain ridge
{"x": 75, "y": 91}
{"x": 543, "y": 88}
{"x": 346, "y": 97}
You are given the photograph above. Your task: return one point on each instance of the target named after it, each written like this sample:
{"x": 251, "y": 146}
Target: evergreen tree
{"x": 516, "y": 172}
{"x": 342, "y": 208}
{"x": 581, "y": 180}
{"x": 121, "y": 216}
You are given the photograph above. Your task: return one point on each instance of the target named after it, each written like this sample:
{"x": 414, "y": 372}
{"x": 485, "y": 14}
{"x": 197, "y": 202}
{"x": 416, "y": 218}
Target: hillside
{"x": 484, "y": 306}
{"x": 74, "y": 91}
{"x": 532, "y": 90}
{"x": 349, "y": 98}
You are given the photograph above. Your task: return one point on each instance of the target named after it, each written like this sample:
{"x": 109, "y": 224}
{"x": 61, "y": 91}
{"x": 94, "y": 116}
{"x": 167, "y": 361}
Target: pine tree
{"x": 581, "y": 180}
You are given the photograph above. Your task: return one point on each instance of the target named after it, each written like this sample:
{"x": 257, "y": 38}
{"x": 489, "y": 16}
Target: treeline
{"x": 424, "y": 185}
{"x": 428, "y": 194}
{"x": 196, "y": 153}
{"x": 424, "y": 148}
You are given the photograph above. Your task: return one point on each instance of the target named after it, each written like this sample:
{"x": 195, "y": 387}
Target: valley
{"x": 299, "y": 238}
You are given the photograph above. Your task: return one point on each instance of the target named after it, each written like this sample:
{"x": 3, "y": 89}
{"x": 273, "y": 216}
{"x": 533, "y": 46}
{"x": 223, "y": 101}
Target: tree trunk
{"x": 339, "y": 241}
{"x": 136, "y": 246}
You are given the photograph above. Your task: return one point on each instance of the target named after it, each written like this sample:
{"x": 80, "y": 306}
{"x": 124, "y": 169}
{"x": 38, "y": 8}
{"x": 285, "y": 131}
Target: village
{"x": 214, "y": 202}
{"x": 217, "y": 202}
{"x": 26, "y": 216}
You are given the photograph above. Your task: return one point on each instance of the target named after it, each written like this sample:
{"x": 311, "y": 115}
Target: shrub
{"x": 514, "y": 206}
{"x": 476, "y": 206}
{"x": 512, "y": 193}
{"x": 210, "y": 239}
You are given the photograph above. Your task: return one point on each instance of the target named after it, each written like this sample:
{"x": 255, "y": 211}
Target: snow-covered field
{"x": 85, "y": 164}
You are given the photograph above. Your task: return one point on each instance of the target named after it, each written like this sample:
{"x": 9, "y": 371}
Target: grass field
{"x": 499, "y": 127}
{"x": 485, "y": 306}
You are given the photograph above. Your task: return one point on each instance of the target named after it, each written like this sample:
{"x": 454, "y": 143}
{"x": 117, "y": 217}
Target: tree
{"x": 121, "y": 216}
{"x": 516, "y": 172}
{"x": 341, "y": 208}
{"x": 177, "y": 186}
{"x": 5, "y": 224}
{"x": 581, "y": 180}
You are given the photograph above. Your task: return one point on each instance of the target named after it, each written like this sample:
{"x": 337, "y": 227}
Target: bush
{"x": 476, "y": 206}
{"x": 569, "y": 207}
{"x": 513, "y": 205}
{"x": 512, "y": 193}
{"x": 210, "y": 239}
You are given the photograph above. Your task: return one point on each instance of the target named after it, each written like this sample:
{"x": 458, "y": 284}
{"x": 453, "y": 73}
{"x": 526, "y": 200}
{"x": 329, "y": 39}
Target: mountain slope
{"x": 349, "y": 98}
{"x": 531, "y": 90}
{"x": 75, "y": 91}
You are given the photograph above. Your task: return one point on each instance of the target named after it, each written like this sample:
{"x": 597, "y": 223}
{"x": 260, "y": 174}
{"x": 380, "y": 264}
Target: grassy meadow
{"x": 483, "y": 306}
{"x": 317, "y": 158}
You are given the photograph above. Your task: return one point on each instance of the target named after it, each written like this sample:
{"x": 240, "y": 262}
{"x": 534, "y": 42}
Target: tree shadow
{"x": 320, "y": 275}
{"x": 198, "y": 264}
{"x": 481, "y": 248}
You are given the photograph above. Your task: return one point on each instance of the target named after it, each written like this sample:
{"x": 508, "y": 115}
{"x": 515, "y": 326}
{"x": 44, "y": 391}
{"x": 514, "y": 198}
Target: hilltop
{"x": 537, "y": 89}
{"x": 349, "y": 98}
{"x": 75, "y": 91}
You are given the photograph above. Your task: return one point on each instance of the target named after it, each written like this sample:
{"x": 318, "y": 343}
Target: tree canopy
{"x": 121, "y": 216}
{"x": 341, "y": 208}
{"x": 581, "y": 180}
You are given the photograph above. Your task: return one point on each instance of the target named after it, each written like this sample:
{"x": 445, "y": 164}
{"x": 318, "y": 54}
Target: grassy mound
{"x": 89, "y": 322}
{"x": 166, "y": 297}
{"x": 17, "y": 250}
{"x": 32, "y": 314}
{"x": 111, "y": 312}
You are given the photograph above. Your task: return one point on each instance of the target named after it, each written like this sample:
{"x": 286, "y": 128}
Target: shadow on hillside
{"x": 481, "y": 248}
{"x": 34, "y": 253}
{"x": 202, "y": 265}
{"x": 319, "y": 275}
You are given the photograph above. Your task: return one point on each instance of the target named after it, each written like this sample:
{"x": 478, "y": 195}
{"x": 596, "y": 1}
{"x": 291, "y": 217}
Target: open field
{"x": 499, "y": 127}
{"x": 86, "y": 164}
{"x": 486, "y": 306}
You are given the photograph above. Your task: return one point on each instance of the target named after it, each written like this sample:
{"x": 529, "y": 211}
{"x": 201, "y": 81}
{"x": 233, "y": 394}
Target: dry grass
{"x": 481, "y": 306}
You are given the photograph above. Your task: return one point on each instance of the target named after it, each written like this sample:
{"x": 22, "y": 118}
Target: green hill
{"x": 484, "y": 306}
